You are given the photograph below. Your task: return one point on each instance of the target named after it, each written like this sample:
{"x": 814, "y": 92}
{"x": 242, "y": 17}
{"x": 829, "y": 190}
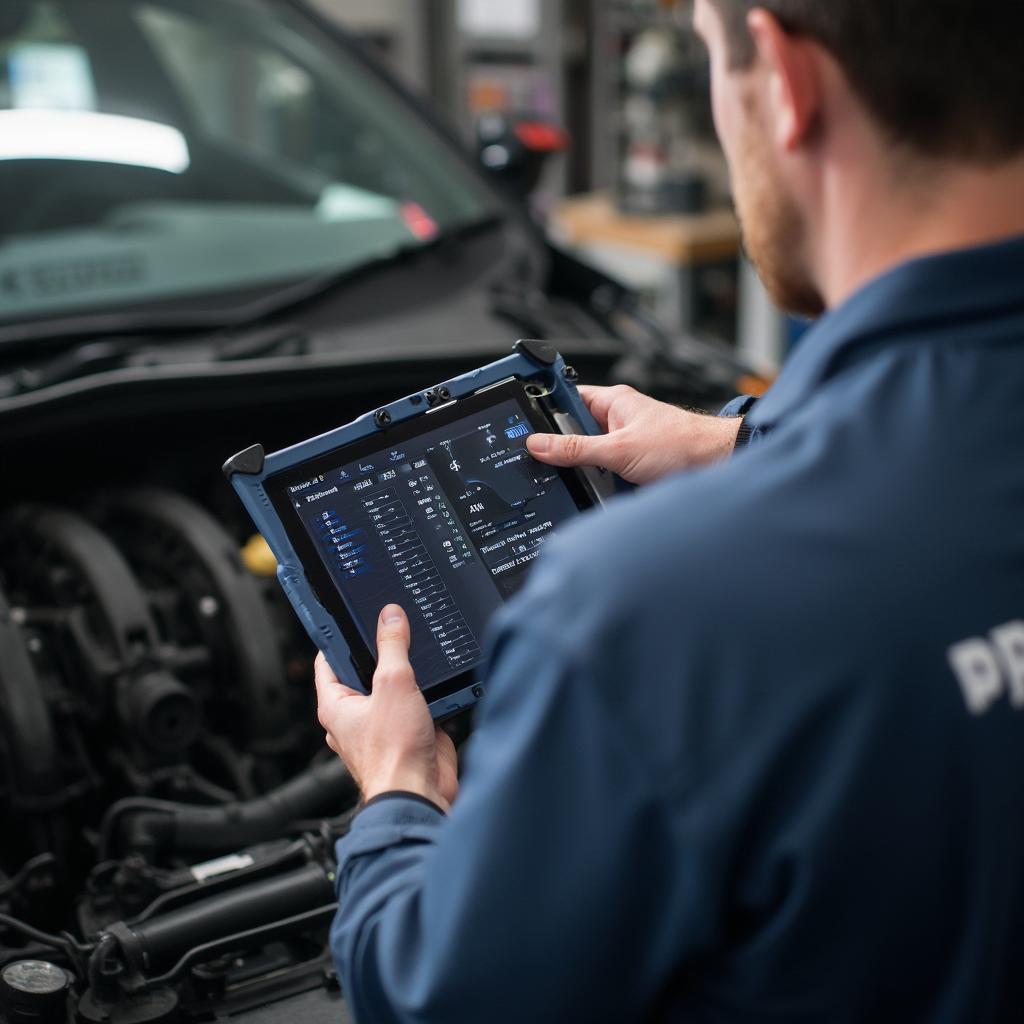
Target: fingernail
{"x": 392, "y": 614}
{"x": 540, "y": 444}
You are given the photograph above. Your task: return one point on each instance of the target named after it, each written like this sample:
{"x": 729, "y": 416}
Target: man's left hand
{"x": 388, "y": 740}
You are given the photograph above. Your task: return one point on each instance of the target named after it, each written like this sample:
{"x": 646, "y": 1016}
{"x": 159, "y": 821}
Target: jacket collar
{"x": 959, "y": 285}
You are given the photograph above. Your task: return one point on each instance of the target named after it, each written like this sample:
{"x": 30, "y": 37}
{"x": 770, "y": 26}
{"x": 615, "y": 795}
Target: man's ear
{"x": 794, "y": 97}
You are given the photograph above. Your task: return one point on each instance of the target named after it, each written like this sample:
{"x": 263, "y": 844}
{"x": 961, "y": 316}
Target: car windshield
{"x": 162, "y": 149}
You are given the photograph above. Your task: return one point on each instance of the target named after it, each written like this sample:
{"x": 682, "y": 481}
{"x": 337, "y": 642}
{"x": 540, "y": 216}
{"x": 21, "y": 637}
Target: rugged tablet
{"x": 433, "y": 503}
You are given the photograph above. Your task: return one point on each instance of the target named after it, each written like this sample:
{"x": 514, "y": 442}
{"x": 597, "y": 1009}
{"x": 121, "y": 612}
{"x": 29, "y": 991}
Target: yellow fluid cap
{"x": 258, "y": 558}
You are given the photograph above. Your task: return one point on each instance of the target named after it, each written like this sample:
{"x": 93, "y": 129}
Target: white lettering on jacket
{"x": 987, "y": 669}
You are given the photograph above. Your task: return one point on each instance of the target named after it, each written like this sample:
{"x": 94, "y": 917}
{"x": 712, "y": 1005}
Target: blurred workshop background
{"x": 597, "y": 110}
{"x": 617, "y": 91}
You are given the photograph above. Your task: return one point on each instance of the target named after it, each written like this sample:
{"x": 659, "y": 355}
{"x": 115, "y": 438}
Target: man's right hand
{"x": 644, "y": 439}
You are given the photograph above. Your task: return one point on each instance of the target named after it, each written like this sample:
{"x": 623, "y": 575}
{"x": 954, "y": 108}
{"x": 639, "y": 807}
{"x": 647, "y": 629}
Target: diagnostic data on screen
{"x": 445, "y": 525}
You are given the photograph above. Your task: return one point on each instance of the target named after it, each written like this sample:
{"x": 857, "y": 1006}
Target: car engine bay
{"x": 167, "y": 804}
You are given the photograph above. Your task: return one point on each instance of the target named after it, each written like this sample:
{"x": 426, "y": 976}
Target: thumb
{"x": 393, "y": 635}
{"x": 569, "y": 449}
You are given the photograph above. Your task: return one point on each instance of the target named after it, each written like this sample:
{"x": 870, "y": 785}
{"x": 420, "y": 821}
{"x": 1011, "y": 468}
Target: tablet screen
{"x": 443, "y": 516}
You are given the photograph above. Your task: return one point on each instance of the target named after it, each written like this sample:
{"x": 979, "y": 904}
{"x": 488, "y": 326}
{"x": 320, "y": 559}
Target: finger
{"x": 325, "y": 680}
{"x": 329, "y": 739}
{"x": 569, "y": 449}
{"x": 393, "y": 633}
{"x": 599, "y": 401}
{"x": 327, "y": 685}
{"x": 445, "y": 742}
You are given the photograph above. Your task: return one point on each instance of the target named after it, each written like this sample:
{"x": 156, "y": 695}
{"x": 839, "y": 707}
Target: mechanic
{"x": 753, "y": 743}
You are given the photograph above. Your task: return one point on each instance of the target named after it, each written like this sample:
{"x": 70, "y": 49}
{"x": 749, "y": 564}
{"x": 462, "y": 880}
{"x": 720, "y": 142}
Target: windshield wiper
{"x": 183, "y": 321}
{"x": 94, "y": 357}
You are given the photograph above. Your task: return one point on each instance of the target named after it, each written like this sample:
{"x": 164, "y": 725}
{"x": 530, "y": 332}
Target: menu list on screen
{"x": 445, "y": 525}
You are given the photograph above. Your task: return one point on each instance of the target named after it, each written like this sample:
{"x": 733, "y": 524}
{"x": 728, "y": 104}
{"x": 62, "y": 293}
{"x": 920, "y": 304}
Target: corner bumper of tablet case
{"x": 250, "y": 462}
{"x": 248, "y": 470}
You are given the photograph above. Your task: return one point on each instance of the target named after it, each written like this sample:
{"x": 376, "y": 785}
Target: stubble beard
{"x": 773, "y": 230}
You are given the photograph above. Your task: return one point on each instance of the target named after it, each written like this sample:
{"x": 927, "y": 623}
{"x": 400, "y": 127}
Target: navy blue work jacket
{"x": 753, "y": 743}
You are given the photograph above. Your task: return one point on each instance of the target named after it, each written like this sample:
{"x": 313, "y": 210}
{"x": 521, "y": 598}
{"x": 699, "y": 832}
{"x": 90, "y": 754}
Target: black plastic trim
{"x": 539, "y": 351}
{"x": 247, "y": 463}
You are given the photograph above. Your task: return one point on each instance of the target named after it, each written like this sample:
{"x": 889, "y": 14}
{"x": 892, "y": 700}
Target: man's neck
{"x": 876, "y": 218}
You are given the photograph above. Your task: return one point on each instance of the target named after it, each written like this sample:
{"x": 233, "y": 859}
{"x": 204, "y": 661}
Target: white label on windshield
{"x": 51, "y": 76}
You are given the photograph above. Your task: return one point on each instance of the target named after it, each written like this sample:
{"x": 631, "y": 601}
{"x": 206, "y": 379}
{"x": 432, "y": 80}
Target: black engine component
{"x": 203, "y": 595}
{"x": 189, "y": 947}
{"x": 156, "y": 826}
{"x": 73, "y": 583}
{"x": 155, "y": 709}
{"x": 31, "y": 762}
{"x": 158, "y": 944}
{"x": 34, "y": 992}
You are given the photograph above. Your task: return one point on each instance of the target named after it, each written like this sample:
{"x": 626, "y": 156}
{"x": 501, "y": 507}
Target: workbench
{"x": 660, "y": 256}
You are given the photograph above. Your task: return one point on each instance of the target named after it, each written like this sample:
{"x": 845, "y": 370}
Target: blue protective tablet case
{"x": 535, "y": 363}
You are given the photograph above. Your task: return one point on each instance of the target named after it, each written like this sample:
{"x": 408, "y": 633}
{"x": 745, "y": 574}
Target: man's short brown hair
{"x": 943, "y": 77}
